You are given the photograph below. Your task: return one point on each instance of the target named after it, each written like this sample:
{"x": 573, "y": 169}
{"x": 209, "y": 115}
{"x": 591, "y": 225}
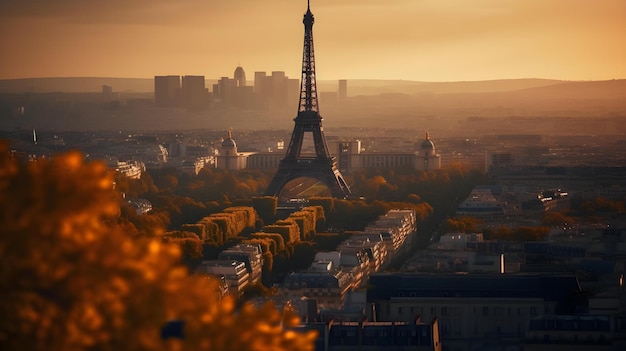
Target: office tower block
{"x": 194, "y": 94}
{"x": 342, "y": 93}
{"x": 167, "y": 91}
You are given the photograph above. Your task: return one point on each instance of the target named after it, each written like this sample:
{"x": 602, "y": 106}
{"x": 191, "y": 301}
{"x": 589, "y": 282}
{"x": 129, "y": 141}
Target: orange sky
{"x": 427, "y": 40}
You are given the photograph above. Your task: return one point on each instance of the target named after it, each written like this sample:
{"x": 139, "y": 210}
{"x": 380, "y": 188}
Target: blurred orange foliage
{"x": 73, "y": 279}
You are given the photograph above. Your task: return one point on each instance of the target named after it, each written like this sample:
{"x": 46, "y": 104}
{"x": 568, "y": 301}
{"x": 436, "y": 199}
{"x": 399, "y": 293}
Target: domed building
{"x": 427, "y": 146}
{"x": 229, "y": 146}
{"x": 229, "y": 158}
{"x": 427, "y": 157}
{"x": 351, "y": 155}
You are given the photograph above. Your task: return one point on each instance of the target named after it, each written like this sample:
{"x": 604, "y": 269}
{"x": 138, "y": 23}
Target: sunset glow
{"x": 427, "y": 40}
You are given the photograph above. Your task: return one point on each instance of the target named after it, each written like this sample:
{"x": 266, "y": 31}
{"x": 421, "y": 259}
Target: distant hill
{"x": 523, "y": 88}
{"x": 75, "y": 85}
{"x": 373, "y": 87}
{"x": 606, "y": 89}
{"x": 355, "y": 86}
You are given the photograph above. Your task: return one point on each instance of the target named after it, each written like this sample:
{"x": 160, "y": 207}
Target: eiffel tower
{"x": 322, "y": 166}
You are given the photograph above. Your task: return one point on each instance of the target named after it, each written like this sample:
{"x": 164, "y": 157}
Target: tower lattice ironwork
{"x": 321, "y": 166}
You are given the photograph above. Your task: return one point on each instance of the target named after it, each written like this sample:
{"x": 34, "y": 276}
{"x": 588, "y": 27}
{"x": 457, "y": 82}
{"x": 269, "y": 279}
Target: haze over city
{"x": 374, "y": 39}
{"x": 466, "y": 192}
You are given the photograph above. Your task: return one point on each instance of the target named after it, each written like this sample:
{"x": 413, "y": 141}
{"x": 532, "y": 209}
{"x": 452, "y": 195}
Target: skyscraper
{"x": 233, "y": 92}
{"x": 194, "y": 94}
{"x": 342, "y": 93}
{"x": 240, "y": 77}
{"x": 167, "y": 91}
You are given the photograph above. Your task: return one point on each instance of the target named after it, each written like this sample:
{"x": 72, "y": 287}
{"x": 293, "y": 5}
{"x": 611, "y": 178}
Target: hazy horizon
{"x": 250, "y": 79}
{"x": 423, "y": 41}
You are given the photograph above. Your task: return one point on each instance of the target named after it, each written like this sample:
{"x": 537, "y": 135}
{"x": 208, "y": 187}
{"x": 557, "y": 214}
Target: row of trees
{"x": 594, "y": 210}
{"x": 213, "y": 184}
{"x": 357, "y": 214}
{"x": 180, "y": 198}
{"x": 219, "y": 227}
{"x": 521, "y": 233}
{"x": 466, "y": 224}
{"x": 279, "y": 241}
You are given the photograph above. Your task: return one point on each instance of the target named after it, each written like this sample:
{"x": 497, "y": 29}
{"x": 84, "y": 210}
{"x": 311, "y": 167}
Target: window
{"x": 499, "y": 311}
{"x": 485, "y": 311}
{"x": 457, "y": 327}
{"x": 445, "y": 330}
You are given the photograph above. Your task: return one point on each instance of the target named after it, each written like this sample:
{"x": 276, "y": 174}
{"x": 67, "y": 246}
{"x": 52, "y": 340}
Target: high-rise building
{"x": 107, "y": 90}
{"x": 293, "y": 91}
{"x": 274, "y": 91}
{"x": 167, "y": 91}
{"x": 224, "y": 90}
{"x": 194, "y": 93}
{"x": 234, "y": 92}
{"x": 342, "y": 93}
{"x": 260, "y": 89}
{"x": 279, "y": 88}
{"x": 259, "y": 82}
{"x": 240, "y": 77}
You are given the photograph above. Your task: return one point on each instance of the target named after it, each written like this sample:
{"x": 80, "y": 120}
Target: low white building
{"x": 234, "y": 272}
{"x": 252, "y": 257}
{"x": 229, "y": 157}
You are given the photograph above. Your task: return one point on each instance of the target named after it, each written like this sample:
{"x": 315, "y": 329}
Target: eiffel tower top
{"x": 308, "y": 107}
{"x": 308, "y": 16}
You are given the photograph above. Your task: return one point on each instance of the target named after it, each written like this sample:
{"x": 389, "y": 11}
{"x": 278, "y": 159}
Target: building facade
{"x": 471, "y": 308}
{"x": 350, "y": 156}
{"x": 234, "y": 272}
{"x": 194, "y": 93}
{"x": 167, "y": 91}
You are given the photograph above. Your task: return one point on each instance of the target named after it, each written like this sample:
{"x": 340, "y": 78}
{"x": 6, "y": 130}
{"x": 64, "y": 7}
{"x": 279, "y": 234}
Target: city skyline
{"x": 399, "y": 39}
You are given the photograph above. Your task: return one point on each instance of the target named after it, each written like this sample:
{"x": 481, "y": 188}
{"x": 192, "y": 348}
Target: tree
{"x": 522, "y": 233}
{"x": 167, "y": 179}
{"x": 598, "y": 207}
{"x": 499, "y": 233}
{"x": 413, "y": 198}
{"x": 73, "y": 279}
{"x": 462, "y": 225}
{"x": 304, "y": 253}
{"x": 556, "y": 219}
{"x": 265, "y": 206}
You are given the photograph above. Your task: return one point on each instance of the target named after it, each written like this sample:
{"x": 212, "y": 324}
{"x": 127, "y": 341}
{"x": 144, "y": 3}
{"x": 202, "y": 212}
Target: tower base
{"x": 325, "y": 171}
